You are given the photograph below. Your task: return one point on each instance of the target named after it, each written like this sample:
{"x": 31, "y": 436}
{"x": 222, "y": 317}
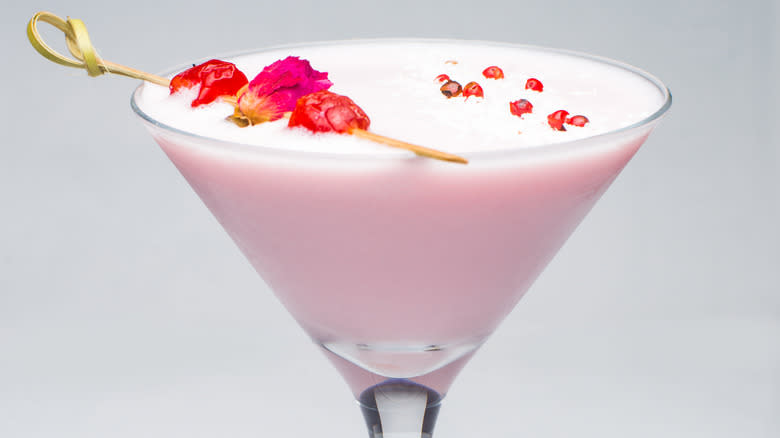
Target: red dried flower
{"x": 442, "y": 78}
{"x": 278, "y": 87}
{"x": 215, "y": 78}
{"x": 324, "y": 111}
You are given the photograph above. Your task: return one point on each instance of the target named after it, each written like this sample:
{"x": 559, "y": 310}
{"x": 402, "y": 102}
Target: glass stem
{"x": 400, "y": 408}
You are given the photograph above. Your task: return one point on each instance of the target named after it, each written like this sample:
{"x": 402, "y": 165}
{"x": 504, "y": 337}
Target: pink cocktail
{"x": 399, "y": 266}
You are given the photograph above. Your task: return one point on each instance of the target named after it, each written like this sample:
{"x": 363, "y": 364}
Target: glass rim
{"x": 471, "y": 155}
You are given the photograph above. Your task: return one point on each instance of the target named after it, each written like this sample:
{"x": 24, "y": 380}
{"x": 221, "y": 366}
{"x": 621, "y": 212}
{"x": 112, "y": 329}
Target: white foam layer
{"x": 394, "y": 83}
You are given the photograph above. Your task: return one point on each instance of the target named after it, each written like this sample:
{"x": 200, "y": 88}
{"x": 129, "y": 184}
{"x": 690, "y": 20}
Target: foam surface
{"x": 394, "y": 82}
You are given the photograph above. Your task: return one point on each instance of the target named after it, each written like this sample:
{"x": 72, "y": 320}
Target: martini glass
{"x": 398, "y": 267}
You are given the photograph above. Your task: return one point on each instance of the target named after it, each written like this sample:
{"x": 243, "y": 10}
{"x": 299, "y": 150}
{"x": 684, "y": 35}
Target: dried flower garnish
{"x": 276, "y": 90}
{"x": 534, "y": 84}
{"x": 324, "y": 111}
{"x": 81, "y": 48}
{"x": 520, "y": 107}
{"x": 451, "y": 61}
{"x": 556, "y": 120}
{"x": 473, "y": 89}
{"x": 215, "y": 78}
{"x": 493, "y": 72}
{"x": 451, "y": 89}
{"x": 578, "y": 120}
{"x": 442, "y": 78}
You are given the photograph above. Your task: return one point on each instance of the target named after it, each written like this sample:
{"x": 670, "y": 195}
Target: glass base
{"x": 402, "y": 361}
{"x": 400, "y": 408}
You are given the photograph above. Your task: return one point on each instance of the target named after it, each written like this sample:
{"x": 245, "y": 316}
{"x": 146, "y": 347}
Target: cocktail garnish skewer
{"x": 81, "y": 48}
{"x": 419, "y": 150}
{"x": 86, "y": 57}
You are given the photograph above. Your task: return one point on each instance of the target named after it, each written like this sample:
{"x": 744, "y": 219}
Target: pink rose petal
{"x": 276, "y": 89}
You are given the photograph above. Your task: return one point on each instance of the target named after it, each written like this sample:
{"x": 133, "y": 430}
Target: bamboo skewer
{"x": 419, "y": 150}
{"x": 86, "y": 57}
{"x": 80, "y": 46}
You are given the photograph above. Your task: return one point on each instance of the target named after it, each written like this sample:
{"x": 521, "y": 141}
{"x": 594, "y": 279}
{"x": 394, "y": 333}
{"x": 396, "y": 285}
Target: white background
{"x": 125, "y": 311}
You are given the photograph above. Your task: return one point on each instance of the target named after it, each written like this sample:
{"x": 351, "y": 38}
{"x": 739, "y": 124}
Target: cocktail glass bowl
{"x": 400, "y": 267}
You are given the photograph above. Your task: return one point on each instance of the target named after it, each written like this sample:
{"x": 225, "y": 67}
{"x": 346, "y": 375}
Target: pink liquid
{"x": 410, "y": 253}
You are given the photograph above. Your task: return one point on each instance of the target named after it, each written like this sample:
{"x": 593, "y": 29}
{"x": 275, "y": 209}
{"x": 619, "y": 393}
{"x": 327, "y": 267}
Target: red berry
{"x": 216, "y": 78}
{"x": 473, "y": 89}
{"x": 534, "y": 84}
{"x": 324, "y": 111}
{"x": 450, "y": 89}
{"x": 556, "y": 120}
{"x": 442, "y": 78}
{"x": 520, "y": 107}
{"x": 577, "y": 120}
{"x": 493, "y": 72}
